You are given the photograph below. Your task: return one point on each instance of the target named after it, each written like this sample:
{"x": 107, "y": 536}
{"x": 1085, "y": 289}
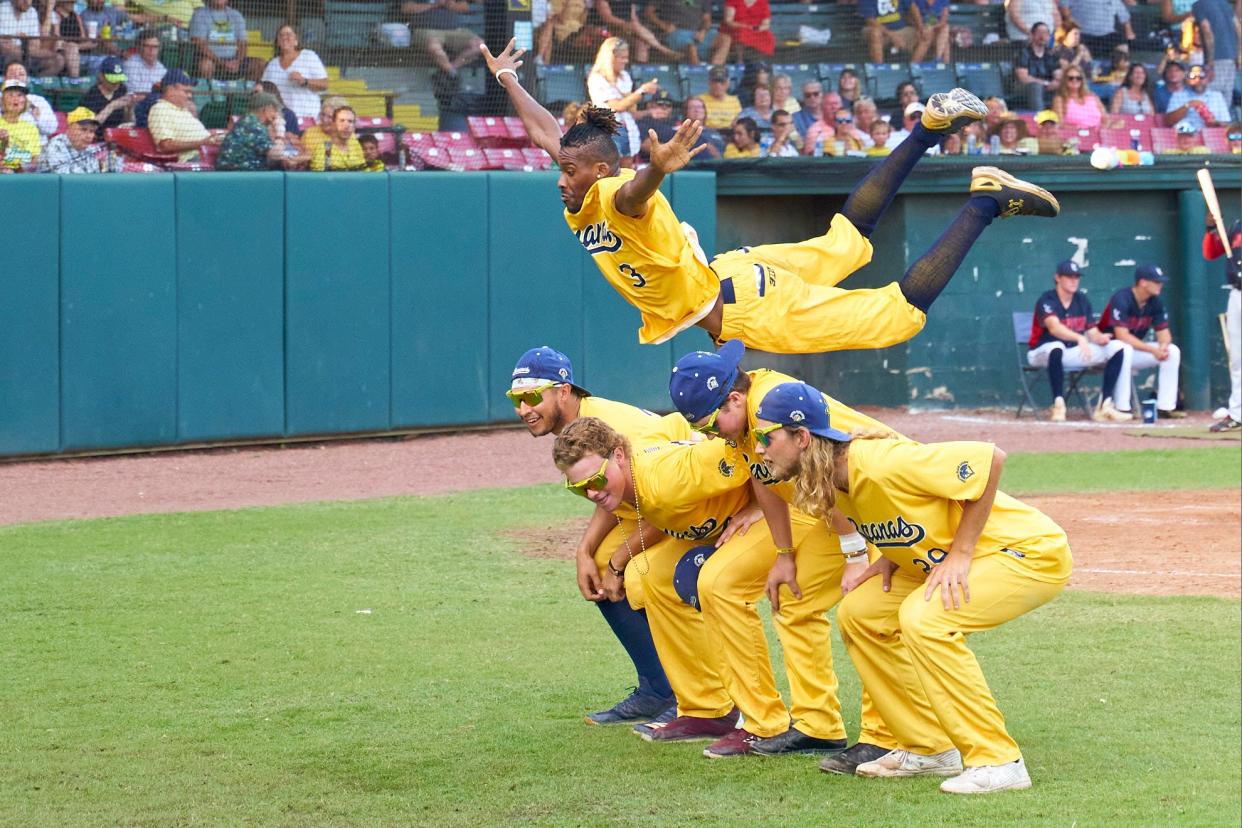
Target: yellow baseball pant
{"x": 782, "y": 298}
{"x": 692, "y": 666}
{"x": 913, "y": 660}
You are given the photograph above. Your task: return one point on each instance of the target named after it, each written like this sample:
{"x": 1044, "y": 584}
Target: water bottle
{"x": 819, "y": 147}
{"x": 838, "y": 148}
{"x": 972, "y": 144}
{"x": 994, "y": 145}
{"x": 106, "y": 31}
{"x": 1135, "y": 139}
{"x": 765, "y": 144}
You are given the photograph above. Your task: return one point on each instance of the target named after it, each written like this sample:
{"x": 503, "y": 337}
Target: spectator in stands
{"x": 1133, "y": 97}
{"x": 685, "y": 26}
{"x": 110, "y": 99}
{"x": 849, "y": 87}
{"x": 753, "y": 74}
{"x": 747, "y": 24}
{"x": 887, "y": 25}
{"x": 1049, "y": 136}
{"x": 906, "y": 94}
{"x": 62, "y": 26}
{"x": 712, "y": 140}
{"x": 342, "y": 150}
{"x": 314, "y": 138}
{"x": 20, "y": 29}
{"x": 1015, "y": 138}
{"x": 722, "y": 108}
{"x": 1105, "y": 23}
{"x": 808, "y": 112}
{"x": 1110, "y": 79}
{"x": 934, "y": 34}
{"x": 19, "y": 140}
{"x": 1064, "y": 337}
{"x": 38, "y": 111}
{"x": 745, "y": 142}
{"x": 786, "y": 143}
{"x": 865, "y": 113}
{"x": 287, "y": 116}
{"x": 657, "y": 116}
{"x": 107, "y": 21}
{"x": 881, "y": 138}
{"x": 1130, "y": 313}
{"x": 761, "y": 111}
{"x": 1037, "y": 70}
{"x": 74, "y": 150}
{"x": 824, "y": 130}
{"x": 782, "y": 94}
{"x": 1075, "y": 104}
{"x": 1022, "y": 15}
{"x": 1070, "y": 50}
{"x": 952, "y": 145}
{"x": 847, "y": 131}
{"x": 173, "y": 124}
{"x": 143, "y": 69}
{"x": 1173, "y": 73}
{"x": 914, "y": 111}
{"x": 565, "y": 36}
{"x": 1218, "y": 31}
{"x": 997, "y": 110}
{"x": 1234, "y": 137}
{"x": 218, "y": 32}
{"x": 609, "y": 85}
{"x": 1197, "y": 103}
{"x": 371, "y": 153}
{"x": 621, "y": 17}
{"x": 252, "y": 144}
{"x": 1189, "y": 141}
{"x": 298, "y": 73}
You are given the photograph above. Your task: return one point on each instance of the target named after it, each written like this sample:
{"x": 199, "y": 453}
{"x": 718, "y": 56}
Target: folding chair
{"x": 1023, "y": 325}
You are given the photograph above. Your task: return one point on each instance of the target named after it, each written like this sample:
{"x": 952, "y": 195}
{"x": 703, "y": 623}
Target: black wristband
{"x": 620, "y": 573}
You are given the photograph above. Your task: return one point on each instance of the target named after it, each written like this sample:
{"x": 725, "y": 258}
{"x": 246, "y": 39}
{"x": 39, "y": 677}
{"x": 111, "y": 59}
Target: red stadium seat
{"x": 129, "y": 165}
{"x": 1162, "y": 139}
{"x": 434, "y": 157}
{"x": 516, "y": 130}
{"x": 1217, "y": 139}
{"x": 62, "y": 122}
{"x": 1032, "y": 128}
{"x": 504, "y": 158}
{"x": 416, "y": 142}
{"x": 1087, "y": 137}
{"x": 1119, "y": 138}
{"x": 454, "y": 140}
{"x": 306, "y": 123}
{"x": 137, "y": 143}
{"x": 371, "y": 121}
{"x": 536, "y": 158}
{"x": 467, "y": 159}
{"x": 488, "y": 131}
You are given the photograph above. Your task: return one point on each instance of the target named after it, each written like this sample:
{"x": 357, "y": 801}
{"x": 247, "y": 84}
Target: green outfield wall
{"x": 196, "y": 308}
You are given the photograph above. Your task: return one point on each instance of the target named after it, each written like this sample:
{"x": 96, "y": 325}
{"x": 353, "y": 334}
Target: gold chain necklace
{"x": 637, "y": 510}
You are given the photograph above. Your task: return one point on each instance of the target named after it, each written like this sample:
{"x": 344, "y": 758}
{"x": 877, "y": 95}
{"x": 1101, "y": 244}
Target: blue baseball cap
{"x": 1150, "y": 272}
{"x": 798, "y": 404}
{"x": 175, "y": 77}
{"x": 544, "y": 363}
{"x": 686, "y": 574}
{"x": 702, "y": 379}
{"x": 112, "y": 69}
{"x": 1069, "y": 267}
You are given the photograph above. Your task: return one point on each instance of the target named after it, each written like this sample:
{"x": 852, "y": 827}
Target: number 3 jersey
{"x": 648, "y": 260}
{"x": 908, "y": 500}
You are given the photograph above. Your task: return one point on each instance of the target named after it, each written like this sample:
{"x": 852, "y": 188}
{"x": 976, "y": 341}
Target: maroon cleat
{"x": 737, "y": 743}
{"x": 691, "y": 729}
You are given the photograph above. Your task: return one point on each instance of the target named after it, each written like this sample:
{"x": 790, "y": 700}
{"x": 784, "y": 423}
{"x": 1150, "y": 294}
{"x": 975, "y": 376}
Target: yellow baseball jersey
{"x": 908, "y": 497}
{"x": 638, "y": 425}
{"x": 688, "y": 490}
{"x": 647, "y": 260}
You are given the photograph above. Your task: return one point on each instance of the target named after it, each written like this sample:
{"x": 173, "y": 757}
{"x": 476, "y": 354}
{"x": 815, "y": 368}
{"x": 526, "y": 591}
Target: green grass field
{"x": 398, "y": 662}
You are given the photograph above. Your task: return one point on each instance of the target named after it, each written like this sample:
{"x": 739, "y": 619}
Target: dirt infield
{"x": 1190, "y": 539}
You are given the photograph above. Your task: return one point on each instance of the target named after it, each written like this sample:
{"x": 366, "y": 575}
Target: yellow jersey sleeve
{"x": 638, "y": 425}
{"x": 689, "y": 490}
{"x": 648, "y": 260}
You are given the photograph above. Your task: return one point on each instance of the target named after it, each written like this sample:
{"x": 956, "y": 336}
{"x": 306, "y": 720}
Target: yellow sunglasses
{"x": 709, "y": 427}
{"x": 531, "y": 396}
{"x": 763, "y": 436}
{"x": 595, "y": 482}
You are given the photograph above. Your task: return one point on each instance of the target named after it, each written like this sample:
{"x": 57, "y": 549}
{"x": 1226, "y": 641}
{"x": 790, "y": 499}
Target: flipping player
{"x": 937, "y": 516}
{"x": 780, "y": 298}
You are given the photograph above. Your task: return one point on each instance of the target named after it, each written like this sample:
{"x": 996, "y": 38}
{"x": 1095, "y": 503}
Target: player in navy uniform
{"x": 1064, "y": 338}
{"x": 1129, "y": 315}
{"x": 1213, "y": 248}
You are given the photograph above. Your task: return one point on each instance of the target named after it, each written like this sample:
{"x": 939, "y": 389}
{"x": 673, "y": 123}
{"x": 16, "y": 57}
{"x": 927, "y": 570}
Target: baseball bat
{"x": 1209, "y": 195}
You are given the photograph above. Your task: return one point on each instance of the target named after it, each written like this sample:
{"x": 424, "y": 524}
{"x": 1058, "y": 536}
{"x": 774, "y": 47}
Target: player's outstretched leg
{"x": 993, "y": 193}
{"x": 946, "y": 113}
{"x": 653, "y": 695}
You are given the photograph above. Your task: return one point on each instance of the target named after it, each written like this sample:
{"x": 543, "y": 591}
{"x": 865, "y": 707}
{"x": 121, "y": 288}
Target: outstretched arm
{"x": 540, "y": 125}
{"x": 631, "y": 198}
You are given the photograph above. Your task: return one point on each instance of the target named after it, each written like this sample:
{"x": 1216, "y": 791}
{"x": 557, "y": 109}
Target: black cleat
{"x": 1014, "y": 196}
{"x": 848, "y": 760}
{"x": 795, "y": 741}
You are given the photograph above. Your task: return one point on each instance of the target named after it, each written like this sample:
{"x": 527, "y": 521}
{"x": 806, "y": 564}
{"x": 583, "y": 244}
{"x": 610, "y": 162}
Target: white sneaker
{"x": 1108, "y": 413}
{"x": 1011, "y": 776}
{"x": 905, "y": 763}
{"x": 1057, "y": 414}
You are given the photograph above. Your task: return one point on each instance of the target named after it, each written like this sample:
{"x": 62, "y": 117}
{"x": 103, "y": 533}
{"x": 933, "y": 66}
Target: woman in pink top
{"x": 1075, "y": 103}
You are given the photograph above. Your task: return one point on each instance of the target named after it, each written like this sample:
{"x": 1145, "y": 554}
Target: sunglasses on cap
{"x": 531, "y": 396}
{"x": 763, "y": 436}
{"x": 595, "y": 482}
{"x": 709, "y": 427}
{"x": 1196, "y": 74}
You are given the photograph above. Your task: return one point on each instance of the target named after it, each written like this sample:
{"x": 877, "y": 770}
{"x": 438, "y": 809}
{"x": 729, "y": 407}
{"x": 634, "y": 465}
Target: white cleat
{"x": 1011, "y": 776}
{"x": 904, "y": 763}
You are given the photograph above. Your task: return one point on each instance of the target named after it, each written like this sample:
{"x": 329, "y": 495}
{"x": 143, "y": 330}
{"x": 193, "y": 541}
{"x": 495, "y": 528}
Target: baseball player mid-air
{"x": 780, "y": 298}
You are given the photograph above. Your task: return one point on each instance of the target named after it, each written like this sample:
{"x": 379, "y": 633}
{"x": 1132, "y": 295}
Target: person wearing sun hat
{"x": 19, "y": 139}
{"x": 73, "y": 151}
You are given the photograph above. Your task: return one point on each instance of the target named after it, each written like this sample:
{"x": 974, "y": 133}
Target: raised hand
{"x": 675, "y": 154}
{"x": 509, "y": 57}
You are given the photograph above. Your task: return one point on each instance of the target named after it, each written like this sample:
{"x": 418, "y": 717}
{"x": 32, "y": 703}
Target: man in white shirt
{"x": 143, "y": 68}
{"x": 19, "y": 20}
{"x": 1196, "y": 103}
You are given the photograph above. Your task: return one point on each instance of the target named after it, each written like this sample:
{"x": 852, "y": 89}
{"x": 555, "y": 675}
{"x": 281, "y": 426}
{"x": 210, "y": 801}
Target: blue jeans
{"x": 679, "y": 39}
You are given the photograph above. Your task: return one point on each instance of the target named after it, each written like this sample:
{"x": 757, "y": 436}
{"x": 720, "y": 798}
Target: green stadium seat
{"x": 934, "y": 77}
{"x": 882, "y": 79}
{"x": 829, "y": 72}
{"x": 799, "y": 73}
{"x": 351, "y": 24}
{"x": 983, "y": 79}
{"x": 667, "y": 74}
{"x": 561, "y": 83}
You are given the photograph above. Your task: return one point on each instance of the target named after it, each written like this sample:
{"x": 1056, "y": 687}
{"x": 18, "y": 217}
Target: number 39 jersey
{"x": 908, "y": 500}
{"x": 648, "y": 260}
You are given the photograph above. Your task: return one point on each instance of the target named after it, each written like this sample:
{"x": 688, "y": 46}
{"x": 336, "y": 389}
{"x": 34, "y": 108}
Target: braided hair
{"x": 595, "y": 127}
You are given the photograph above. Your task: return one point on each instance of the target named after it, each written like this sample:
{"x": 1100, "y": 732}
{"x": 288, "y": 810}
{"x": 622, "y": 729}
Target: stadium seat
{"x": 489, "y": 131}
{"x": 1217, "y": 139}
{"x": 1029, "y": 119}
{"x": 694, "y": 79}
{"x": 934, "y": 77}
{"x": 799, "y": 73}
{"x": 306, "y": 123}
{"x": 561, "y": 84}
{"x": 467, "y": 159}
{"x": 829, "y": 72}
{"x": 454, "y": 140}
{"x": 1119, "y": 138}
{"x": 883, "y": 79}
{"x": 517, "y": 131}
{"x": 1087, "y": 137}
{"x": 667, "y": 74}
{"x": 1163, "y": 138}
{"x": 983, "y": 79}
{"x": 62, "y": 122}
{"x": 350, "y": 24}
{"x": 537, "y": 158}
{"x": 136, "y": 143}
{"x": 504, "y": 159}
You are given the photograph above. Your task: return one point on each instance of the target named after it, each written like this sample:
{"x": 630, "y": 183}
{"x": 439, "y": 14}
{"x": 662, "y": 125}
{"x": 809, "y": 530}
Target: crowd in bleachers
{"x": 768, "y": 79}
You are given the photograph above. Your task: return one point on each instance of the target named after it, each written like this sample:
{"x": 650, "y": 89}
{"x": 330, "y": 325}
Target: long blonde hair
{"x": 815, "y": 487}
{"x": 605, "y": 58}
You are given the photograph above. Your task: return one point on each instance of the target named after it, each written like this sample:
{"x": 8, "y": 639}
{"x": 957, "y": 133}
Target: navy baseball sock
{"x": 1056, "y": 373}
{"x": 876, "y": 191}
{"x": 631, "y": 629}
{"x": 1112, "y": 371}
{"x": 927, "y": 277}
